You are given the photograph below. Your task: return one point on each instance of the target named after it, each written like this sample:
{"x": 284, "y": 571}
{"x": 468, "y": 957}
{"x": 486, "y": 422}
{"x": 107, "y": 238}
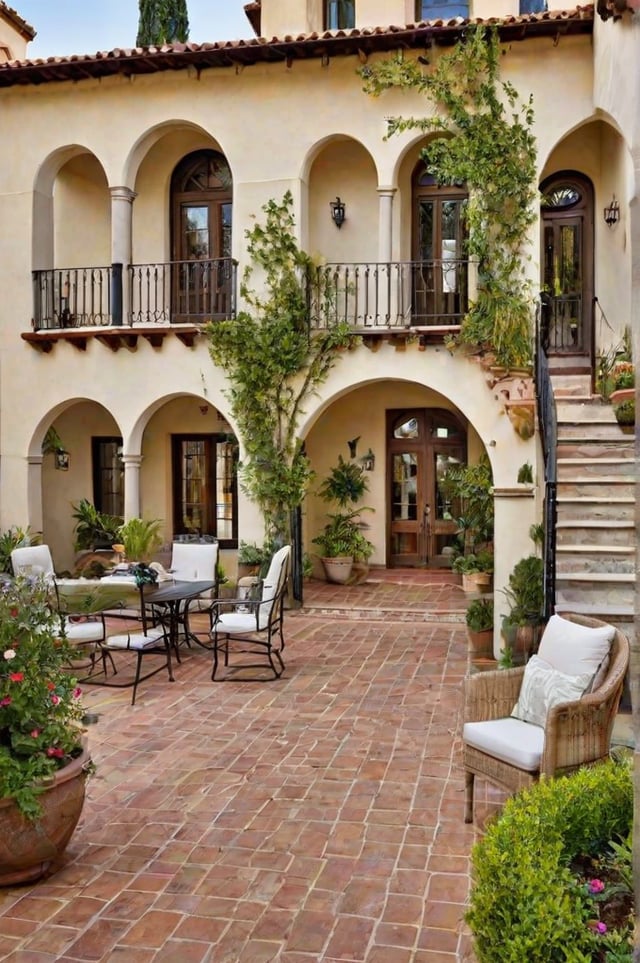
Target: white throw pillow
{"x": 544, "y": 687}
{"x": 575, "y": 649}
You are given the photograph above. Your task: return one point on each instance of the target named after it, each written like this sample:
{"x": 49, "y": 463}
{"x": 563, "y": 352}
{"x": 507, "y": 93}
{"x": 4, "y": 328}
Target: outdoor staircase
{"x": 596, "y": 529}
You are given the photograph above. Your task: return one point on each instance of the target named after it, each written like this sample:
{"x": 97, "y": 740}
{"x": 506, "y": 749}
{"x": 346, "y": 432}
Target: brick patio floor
{"x": 318, "y": 817}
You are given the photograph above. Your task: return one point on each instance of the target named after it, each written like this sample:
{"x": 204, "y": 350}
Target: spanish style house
{"x": 128, "y": 181}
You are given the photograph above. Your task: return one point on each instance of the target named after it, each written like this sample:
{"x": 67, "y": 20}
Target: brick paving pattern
{"x": 315, "y": 818}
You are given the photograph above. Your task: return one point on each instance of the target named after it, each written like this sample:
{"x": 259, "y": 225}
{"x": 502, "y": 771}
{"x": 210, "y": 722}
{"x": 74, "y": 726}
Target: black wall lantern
{"x": 612, "y": 212}
{"x": 337, "y": 212}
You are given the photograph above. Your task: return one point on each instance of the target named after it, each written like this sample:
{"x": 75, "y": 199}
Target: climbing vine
{"x": 162, "y": 21}
{"x": 275, "y": 357}
{"x": 486, "y": 143}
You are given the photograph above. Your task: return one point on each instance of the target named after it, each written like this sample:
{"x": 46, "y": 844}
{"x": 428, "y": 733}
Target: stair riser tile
{"x": 621, "y": 489}
{"x": 566, "y": 473}
{"x": 621, "y": 448}
{"x": 587, "y": 510}
{"x": 599, "y": 564}
{"x": 596, "y": 536}
{"x": 606, "y": 431}
{"x": 596, "y": 593}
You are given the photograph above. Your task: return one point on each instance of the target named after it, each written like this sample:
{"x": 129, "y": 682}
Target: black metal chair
{"x": 253, "y": 627}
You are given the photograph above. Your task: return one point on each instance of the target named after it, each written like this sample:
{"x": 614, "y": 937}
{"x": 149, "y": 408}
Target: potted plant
{"x": 93, "y": 529}
{"x": 140, "y": 538}
{"x": 522, "y": 626}
{"x": 43, "y": 760}
{"x": 625, "y": 413}
{"x": 342, "y": 541}
{"x": 479, "y": 621}
{"x": 251, "y": 558}
{"x": 476, "y": 571}
{"x": 14, "y": 537}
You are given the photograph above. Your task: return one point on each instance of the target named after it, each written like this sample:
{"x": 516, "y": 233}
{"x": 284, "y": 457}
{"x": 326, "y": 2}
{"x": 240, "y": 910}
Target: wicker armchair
{"x": 575, "y": 734}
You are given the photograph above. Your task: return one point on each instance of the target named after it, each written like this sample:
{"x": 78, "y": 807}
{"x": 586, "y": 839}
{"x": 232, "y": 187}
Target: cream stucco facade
{"x": 87, "y": 185}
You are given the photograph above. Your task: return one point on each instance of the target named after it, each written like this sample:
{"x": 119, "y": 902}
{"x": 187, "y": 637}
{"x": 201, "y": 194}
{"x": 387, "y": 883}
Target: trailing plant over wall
{"x": 488, "y": 145}
{"x": 162, "y": 21}
{"x": 275, "y": 361}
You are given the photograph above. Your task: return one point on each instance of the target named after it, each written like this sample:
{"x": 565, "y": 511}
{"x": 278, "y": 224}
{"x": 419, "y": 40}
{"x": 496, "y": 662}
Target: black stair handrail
{"x": 548, "y": 421}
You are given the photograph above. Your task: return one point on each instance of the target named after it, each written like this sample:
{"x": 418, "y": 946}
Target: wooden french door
{"x": 201, "y": 239}
{"x": 205, "y": 491}
{"x": 440, "y": 265}
{"x": 421, "y": 445}
{"x": 567, "y": 267}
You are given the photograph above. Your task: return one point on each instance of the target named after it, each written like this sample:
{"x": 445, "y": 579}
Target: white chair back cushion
{"x": 515, "y": 742}
{"x": 543, "y": 687}
{"x": 577, "y": 649}
{"x": 193, "y": 562}
{"x": 280, "y": 558}
{"x": 32, "y": 560}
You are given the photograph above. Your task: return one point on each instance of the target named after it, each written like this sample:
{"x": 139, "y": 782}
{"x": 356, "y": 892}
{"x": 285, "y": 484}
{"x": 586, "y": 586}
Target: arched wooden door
{"x": 422, "y": 444}
{"x": 567, "y": 269}
{"x": 201, "y": 202}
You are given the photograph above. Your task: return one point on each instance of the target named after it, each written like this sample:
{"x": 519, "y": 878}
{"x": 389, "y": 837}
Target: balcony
{"x": 373, "y": 298}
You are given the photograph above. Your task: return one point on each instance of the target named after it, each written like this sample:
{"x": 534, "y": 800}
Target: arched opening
{"x": 567, "y": 267}
{"x": 201, "y": 215}
{"x": 422, "y": 444}
{"x": 440, "y": 273}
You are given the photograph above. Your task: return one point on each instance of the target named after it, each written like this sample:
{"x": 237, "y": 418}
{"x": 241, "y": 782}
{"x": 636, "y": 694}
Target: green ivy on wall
{"x": 275, "y": 360}
{"x": 162, "y": 21}
{"x": 485, "y": 142}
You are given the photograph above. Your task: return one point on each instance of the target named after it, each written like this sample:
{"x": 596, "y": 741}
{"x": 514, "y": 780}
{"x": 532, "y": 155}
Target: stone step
{"x": 595, "y": 532}
{"x": 622, "y": 616}
{"x": 595, "y": 507}
{"x": 572, "y": 469}
{"x": 610, "y": 589}
{"x": 590, "y": 431}
{"x": 589, "y": 412}
{"x": 571, "y": 384}
{"x": 590, "y": 559}
{"x": 595, "y": 449}
{"x": 620, "y": 486}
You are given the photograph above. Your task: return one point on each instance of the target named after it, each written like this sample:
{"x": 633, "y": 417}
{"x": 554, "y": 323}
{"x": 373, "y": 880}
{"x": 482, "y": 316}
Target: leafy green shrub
{"x": 525, "y": 903}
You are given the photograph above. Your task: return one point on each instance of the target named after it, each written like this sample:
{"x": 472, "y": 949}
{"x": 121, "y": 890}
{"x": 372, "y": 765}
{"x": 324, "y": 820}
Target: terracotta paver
{"x": 319, "y": 817}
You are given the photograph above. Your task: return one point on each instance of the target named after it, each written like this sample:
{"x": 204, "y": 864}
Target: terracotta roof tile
{"x": 21, "y": 25}
{"x": 295, "y": 46}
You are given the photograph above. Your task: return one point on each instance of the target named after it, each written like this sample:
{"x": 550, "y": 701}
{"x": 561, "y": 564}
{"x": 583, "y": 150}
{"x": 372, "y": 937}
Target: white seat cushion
{"x": 236, "y": 623}
{"x": 576, "y": 649}
{"x": 544, "y": 687}
{"x": 84, "y": 631}
{"x": 136, "y": 640}
{"x": 515, "y": 742}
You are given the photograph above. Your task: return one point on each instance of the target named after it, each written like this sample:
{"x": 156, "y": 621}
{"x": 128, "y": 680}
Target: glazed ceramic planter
{"x": 28, "y": 849}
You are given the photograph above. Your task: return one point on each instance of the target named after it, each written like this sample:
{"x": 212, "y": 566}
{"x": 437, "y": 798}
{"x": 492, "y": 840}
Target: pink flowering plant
{"x": 40, "y": 701}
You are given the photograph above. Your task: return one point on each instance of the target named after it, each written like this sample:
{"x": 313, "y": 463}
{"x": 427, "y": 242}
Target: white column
{"x": 121, "y": 236}
{"x": 514, "y": 513}
{"x": 132, "y": 465}
{"x": 390, "y": 286}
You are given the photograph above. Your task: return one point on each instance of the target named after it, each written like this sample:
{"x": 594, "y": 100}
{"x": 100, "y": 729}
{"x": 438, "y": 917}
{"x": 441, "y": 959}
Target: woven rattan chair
{"x": 575, "y": 733}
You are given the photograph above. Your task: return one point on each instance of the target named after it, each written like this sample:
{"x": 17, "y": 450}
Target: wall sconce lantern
{"x": 62, "y": 460}
{"x": 368, "y": 461}
{"x": 338, "y": 208}
{"x": 612, "y": 212}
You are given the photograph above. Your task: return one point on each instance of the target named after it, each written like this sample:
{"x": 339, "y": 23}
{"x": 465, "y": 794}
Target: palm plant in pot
{"x": 44, "y": 762}
{"x": 342, "y": 541}
{"x": 522, "y": 626}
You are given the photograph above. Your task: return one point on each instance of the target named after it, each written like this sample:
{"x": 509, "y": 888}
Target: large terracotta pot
{"x": 27, "y": 849}
{"x": 338, "y": 569}
{"x": 480, "y": 643}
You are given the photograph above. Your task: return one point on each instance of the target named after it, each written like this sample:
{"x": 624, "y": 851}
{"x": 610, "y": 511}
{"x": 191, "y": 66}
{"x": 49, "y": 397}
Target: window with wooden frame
{"x": 340, "y": 15}
{"x": 441, "y": 9}
{"x": 205, "y": 487}
{"x": 108, "y": 475}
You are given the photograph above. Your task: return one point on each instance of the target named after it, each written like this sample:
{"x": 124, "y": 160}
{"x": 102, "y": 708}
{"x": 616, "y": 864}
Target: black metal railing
{"x": 72, "y": 297}
{"x": 182, "y": 291}
{"x": 549, "y": 436}
{"x": 561, "y": 327}
{"x": 399, "y": 294}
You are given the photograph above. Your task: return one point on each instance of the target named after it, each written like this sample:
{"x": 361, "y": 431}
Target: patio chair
{"x": 549, "y": 717}
{"x": 153, "y": 640}
{"x": 194, "y": 562}
{"x": 84, "y": 630}
{"x": 254, "y": 626}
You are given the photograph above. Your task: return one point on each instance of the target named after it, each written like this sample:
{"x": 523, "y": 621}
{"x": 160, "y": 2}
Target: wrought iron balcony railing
{"x": 393, "y": 295}
{"x": 368, "y": 296}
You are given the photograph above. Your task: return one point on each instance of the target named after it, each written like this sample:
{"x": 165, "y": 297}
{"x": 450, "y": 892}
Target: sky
{"x": 87, "y": 26}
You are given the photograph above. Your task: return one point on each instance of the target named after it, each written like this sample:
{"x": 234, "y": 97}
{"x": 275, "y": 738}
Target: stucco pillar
{"x": 122, "y": 199}
{"x": 389, "y": 294}
{"x": 514, "y": 513}
{"x": 132, "y": 465}
{"x": 34, "y": 492}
